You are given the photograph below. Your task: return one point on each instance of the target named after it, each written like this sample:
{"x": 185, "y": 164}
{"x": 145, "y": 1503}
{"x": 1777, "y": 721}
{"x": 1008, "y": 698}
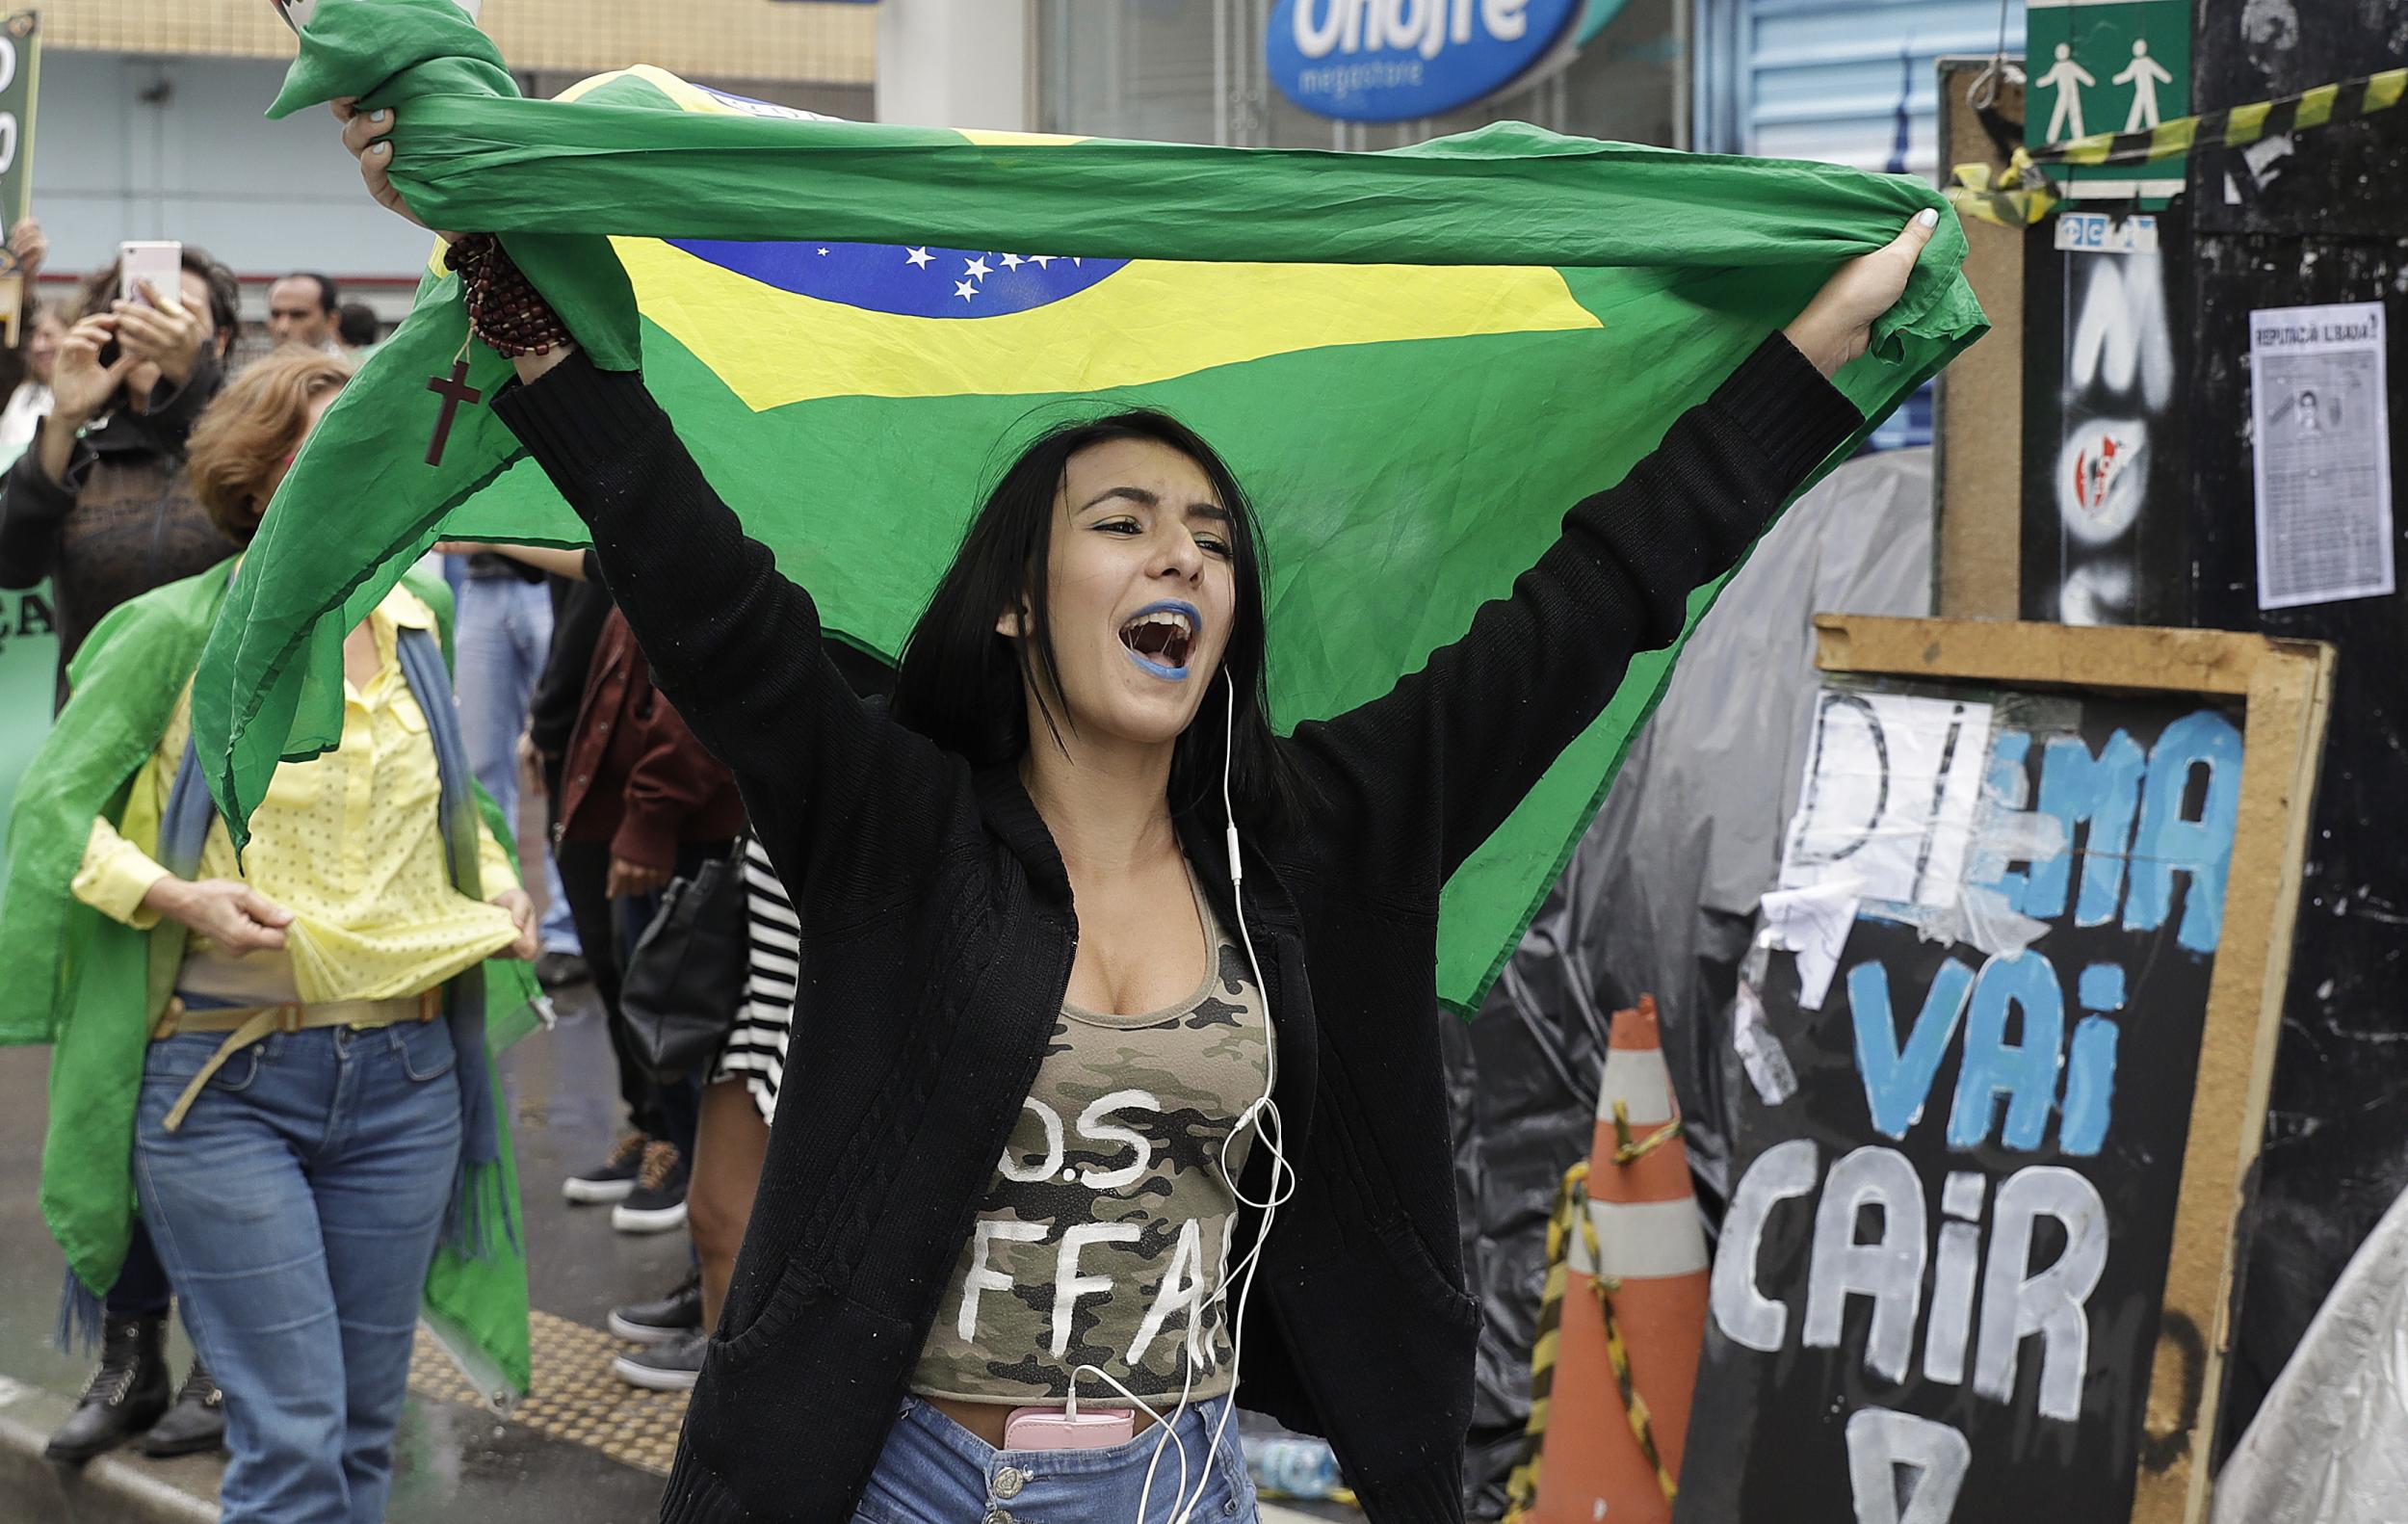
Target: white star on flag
{"x": 1013, "y": 261}
{"x": 964, "y": 290}
{"x": 916, "y": 257}
{"x": 976, "y": 269}
{"x": 1041, "y": 260}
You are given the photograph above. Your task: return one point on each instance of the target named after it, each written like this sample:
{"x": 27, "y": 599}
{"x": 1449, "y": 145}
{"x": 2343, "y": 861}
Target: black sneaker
{"x": 196, "y": 1423}
{"x": 658, "y": 1202}
{"x": 124, "y": 1397}
{"x": 672, "y": 1366}
{"x": 561, "y": 970}
{"x": 613, "y": 1178}
{"x": 664, "y": 1317}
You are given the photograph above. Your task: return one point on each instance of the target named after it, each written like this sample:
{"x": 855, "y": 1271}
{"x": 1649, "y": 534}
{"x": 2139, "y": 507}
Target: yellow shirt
{"x": 349, "y": 842}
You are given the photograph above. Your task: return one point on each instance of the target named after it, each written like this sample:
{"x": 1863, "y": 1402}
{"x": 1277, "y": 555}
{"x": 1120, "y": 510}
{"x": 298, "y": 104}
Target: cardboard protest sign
{"x": 1979, "y": 1235}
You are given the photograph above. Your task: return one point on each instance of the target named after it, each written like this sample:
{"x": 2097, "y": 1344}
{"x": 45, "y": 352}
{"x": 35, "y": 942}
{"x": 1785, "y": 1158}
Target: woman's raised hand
{"x": 1837, "y": 325}
{"x": 80, "y": 385}
{"x": 161, "y": 330}
{"x": 364, "y": 132}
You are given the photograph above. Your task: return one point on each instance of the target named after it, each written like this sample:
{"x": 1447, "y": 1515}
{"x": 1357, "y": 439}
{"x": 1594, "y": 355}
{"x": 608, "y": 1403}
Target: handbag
{"x": 685, "y": 981}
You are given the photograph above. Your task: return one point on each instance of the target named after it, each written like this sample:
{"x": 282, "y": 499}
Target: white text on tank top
{"x": 1108, "y": 1220}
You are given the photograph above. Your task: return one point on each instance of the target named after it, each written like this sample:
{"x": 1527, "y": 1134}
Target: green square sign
{"x": 20, "y": 71}
{"x": 2107, "y": 65}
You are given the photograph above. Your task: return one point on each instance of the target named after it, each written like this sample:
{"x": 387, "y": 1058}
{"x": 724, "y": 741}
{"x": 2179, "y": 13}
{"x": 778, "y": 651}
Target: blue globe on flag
{"x": 908, "y": 280}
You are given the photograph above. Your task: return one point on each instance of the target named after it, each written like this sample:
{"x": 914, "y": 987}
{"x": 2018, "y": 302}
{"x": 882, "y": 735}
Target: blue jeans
{"x": 932, "y": 1469}
{"x": 297, "y": 1210}
{"x": 505, "y": 636}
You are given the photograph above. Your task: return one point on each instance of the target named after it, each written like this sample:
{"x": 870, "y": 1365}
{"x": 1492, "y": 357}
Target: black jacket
{"x": 578, "y": 611}
{"x": 938, "y": 934}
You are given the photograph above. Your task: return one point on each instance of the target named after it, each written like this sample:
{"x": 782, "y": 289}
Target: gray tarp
{"x": 1659, "y": 898}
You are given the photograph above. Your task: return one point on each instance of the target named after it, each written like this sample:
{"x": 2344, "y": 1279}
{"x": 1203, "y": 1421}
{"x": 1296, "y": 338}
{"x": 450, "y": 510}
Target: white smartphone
{"x": 162, "y": 264}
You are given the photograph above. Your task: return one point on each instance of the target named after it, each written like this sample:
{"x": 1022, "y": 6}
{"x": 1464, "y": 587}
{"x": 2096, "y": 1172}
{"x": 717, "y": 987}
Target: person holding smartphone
{"x": 314, "y": 1111}
{"x": 100, "y": 504}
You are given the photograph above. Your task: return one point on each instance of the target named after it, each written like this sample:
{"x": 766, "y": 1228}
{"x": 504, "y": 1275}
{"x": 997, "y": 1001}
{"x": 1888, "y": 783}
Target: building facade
{"x": 1196, "y": 71}
{"x": 151, "y": 121}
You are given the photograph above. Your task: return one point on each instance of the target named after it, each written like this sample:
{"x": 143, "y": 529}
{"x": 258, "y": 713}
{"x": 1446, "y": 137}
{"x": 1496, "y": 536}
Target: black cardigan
{"x": 938, "y": 934}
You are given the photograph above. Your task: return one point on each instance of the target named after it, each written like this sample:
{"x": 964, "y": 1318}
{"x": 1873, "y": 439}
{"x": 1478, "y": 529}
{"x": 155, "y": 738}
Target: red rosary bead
{"x": 504, "y": 310}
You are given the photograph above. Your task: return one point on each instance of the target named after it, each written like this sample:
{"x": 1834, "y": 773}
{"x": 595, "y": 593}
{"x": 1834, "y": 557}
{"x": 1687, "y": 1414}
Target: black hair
{"x": 225, "y": 295}
{"x": 356, "y": 324}
{"x": 961, "y": 683}
{"x": 329, "y": 295}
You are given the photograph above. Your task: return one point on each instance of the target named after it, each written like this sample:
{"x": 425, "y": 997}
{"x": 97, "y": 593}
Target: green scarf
{"x": 92, "y": 987}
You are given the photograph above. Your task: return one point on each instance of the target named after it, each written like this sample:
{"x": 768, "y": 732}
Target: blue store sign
{"x": 1397, "y": 59}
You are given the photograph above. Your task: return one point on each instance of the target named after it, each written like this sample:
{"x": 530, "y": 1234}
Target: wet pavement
{"x": 584, "y": 1448}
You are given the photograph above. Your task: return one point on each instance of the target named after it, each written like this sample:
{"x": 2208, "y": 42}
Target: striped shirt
{"x": 756, "y": 1047}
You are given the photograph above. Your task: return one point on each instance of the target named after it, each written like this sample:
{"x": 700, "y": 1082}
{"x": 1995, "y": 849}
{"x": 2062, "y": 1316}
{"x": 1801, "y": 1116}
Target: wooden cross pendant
{"x": 453, "y": 391}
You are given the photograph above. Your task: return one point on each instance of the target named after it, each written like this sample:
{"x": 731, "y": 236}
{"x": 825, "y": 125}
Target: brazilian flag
{"x": 1416, "y": 361}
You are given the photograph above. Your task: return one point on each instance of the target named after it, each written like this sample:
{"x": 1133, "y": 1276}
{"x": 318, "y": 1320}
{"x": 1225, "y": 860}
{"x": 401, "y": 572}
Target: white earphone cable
{"x": 1262, "y": 1115}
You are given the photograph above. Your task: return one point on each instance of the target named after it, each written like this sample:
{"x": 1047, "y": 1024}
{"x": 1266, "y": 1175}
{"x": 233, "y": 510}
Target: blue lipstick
{"x": 1195, "y": 629}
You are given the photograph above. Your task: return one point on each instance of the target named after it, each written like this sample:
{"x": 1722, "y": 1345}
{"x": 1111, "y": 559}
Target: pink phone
{"x": 161, "y": 263}
{"x": 1052, "y": 1429}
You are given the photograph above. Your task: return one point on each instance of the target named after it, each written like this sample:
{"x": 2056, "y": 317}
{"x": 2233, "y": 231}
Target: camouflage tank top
{"x": 1104, "y": 1232}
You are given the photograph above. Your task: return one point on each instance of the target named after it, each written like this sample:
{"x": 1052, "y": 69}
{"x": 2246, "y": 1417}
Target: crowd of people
{"x": 298, "y": 1121}
{"x": 140, "y": 452}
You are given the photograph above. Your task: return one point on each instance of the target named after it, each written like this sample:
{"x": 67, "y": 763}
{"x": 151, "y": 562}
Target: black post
{"x": 2326, "y": 221}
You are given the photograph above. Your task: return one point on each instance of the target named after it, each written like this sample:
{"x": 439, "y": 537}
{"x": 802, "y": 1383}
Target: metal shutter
{"x": 1835, "y": 79}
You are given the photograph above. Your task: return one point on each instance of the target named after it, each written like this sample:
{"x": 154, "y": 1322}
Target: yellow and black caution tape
{"x": 1633, "y": 1405}
{"x": 1572, "y": 1207}
{"x": 2016, "y": 196}
{"x": 1522, "y": 1486}
{"x": 2021, "y": 195}
{"x": 1625, "y": 1151}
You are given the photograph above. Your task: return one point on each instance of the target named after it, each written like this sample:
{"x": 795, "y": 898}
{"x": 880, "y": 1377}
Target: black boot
{"x": 127, "y": 1394}
{"x": 195, "y": 1423}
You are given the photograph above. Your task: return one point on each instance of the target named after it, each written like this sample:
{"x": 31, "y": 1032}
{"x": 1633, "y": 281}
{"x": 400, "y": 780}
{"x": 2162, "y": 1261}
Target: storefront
{"x": 1202, "y": 70}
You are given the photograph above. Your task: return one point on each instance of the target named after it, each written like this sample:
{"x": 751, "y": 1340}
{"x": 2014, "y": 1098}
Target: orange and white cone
{"x": 1634, "y": 1317}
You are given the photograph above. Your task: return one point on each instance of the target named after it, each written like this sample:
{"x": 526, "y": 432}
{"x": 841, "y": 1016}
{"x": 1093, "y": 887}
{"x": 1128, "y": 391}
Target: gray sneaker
{"x": 671, "y": 1366}
{"x": 664, "y": 1317}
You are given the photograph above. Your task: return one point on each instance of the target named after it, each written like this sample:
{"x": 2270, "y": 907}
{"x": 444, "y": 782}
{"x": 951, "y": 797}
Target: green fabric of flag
{"x": 1416, "y": 360}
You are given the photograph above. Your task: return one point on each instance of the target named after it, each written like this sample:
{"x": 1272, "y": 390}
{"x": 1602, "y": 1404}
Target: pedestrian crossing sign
{"x": 2107, "y": 65}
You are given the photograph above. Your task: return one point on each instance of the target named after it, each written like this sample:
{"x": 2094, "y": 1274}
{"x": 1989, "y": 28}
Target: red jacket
{"x": 634, "y": 774}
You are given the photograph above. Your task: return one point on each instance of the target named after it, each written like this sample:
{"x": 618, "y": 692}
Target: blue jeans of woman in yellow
{"x": 297, "y": 1210}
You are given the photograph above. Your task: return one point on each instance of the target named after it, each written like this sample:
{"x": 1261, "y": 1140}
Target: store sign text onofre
{"x": 1397, "y": 60}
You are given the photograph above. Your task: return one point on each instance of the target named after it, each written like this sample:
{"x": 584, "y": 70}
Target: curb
{"x": 107, "y": 1489}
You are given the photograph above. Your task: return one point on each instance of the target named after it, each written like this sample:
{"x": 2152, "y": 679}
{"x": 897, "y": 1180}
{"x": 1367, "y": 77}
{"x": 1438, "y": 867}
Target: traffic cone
{"x": 1633, "y": 1309}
